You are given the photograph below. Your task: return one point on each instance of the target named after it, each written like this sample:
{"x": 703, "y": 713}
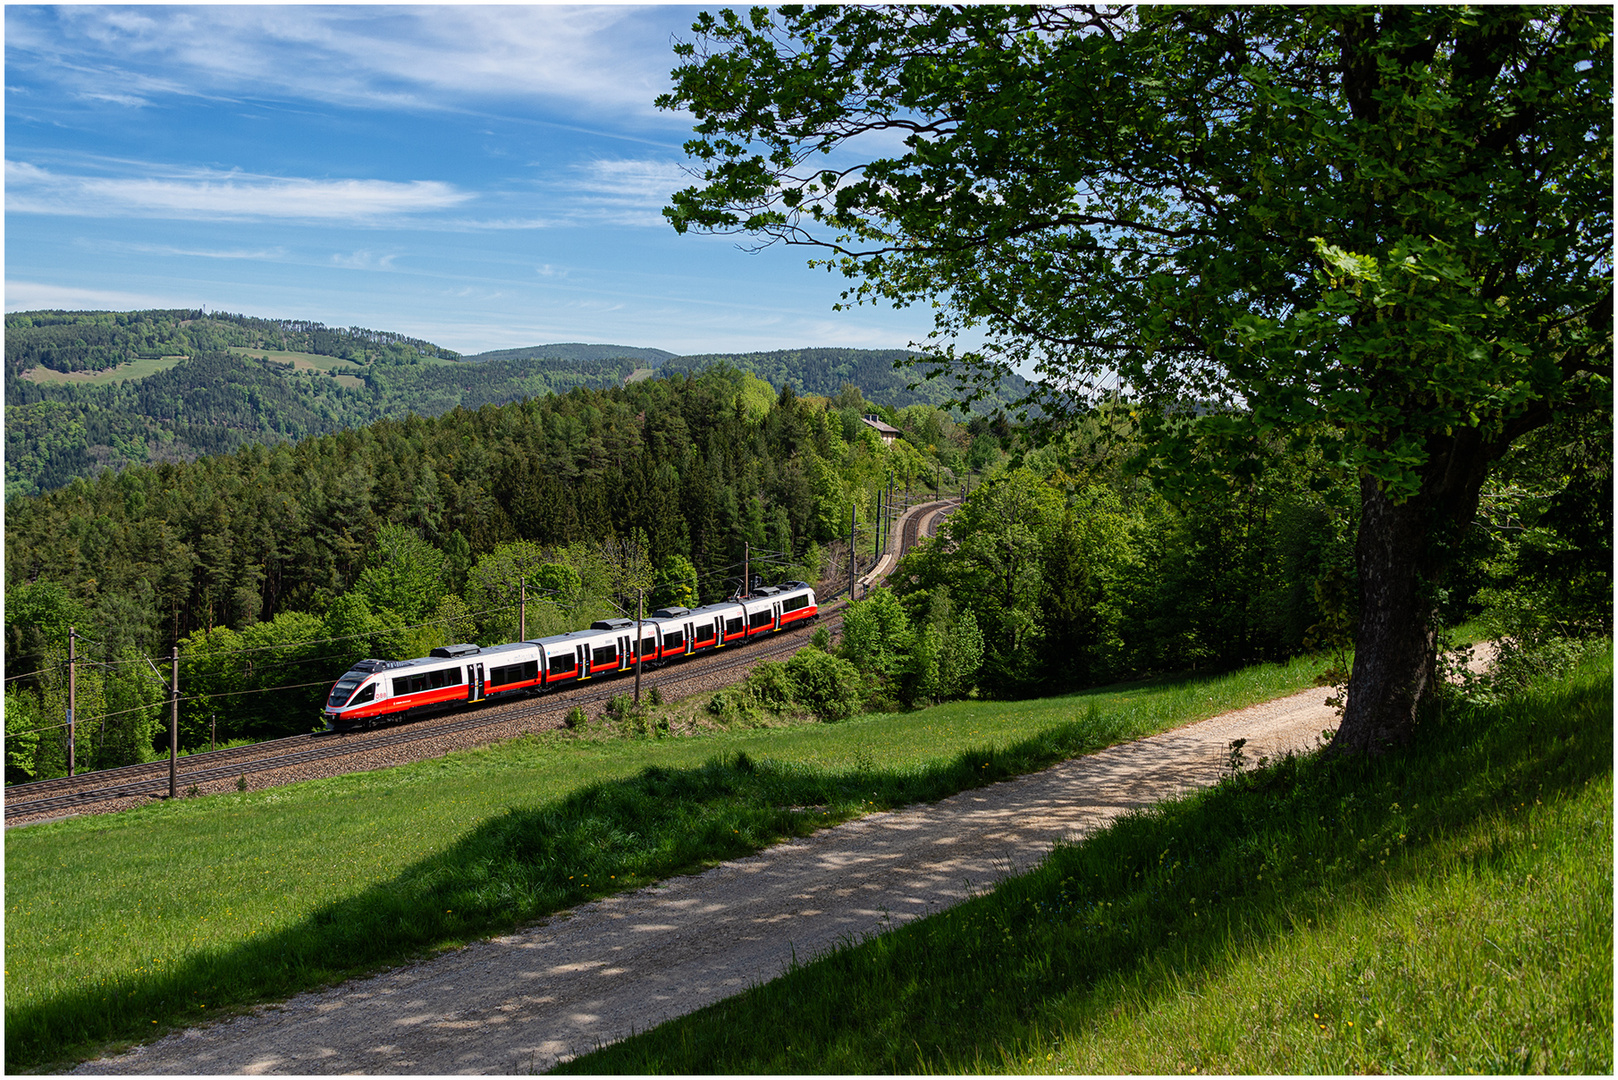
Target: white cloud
{"x": 628, "y": 192}
{"x": 503, "y": 224}
{"x": 625, "y": 192}
{"x": 36, "y": 296}
{"x": 193, "y": 194}
{"x": 429, "y": 56}
{"x": 633, "y": 180}
{"x": 364, "y": 260}
{"x": 271, "y": 254}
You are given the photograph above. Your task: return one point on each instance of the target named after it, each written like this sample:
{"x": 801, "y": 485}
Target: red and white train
{"x": 373, "y": 691}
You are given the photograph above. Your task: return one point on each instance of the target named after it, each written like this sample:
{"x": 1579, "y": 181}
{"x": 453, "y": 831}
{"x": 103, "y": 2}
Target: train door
{"x": 775, "y": 612}
{"x": 690, "y": 639}
{"x": 626, "y": 659}
{"x": 474, "y": 682}
{"x": 584, "y": 661}
{"x": 719, "y": 631}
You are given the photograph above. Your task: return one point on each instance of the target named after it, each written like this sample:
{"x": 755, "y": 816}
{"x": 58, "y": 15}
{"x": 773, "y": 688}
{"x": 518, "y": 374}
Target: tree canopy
{"x": 1384, "y": 233}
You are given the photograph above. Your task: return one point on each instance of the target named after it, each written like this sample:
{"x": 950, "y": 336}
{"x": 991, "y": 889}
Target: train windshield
{"x": 344, "y": 689}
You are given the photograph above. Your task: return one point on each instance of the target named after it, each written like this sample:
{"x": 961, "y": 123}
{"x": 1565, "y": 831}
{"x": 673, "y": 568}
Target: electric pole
{"x": 72, "y": 697}
{"x": 853, "y": 552}
{"x": 877, "y": 547}
{"x": 174, "y": 717}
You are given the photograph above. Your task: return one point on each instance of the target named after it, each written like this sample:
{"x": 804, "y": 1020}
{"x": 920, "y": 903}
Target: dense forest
{"x": 577, "y": 351}
{"x": 272, "y": 566}
{"x": 877, "y": 372}
{"x": 224, "y": 395}
{"x": 221, "y": 396}
{"x": 668, "y": 479}
{"x": 96, "y": 340}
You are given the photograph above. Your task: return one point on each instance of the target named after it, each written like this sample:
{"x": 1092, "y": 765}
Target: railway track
{"x": 48, "y": 798}
{"x": 924, "y": 522}
{"x": 215, "y": 769}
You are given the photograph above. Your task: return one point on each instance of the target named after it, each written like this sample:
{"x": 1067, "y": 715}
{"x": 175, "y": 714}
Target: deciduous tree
{"x": 1382, "y": 231}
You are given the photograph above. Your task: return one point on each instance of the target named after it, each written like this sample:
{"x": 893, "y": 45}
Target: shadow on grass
{"x": 525, "y": 864}
{"x": 1175, "y": 894}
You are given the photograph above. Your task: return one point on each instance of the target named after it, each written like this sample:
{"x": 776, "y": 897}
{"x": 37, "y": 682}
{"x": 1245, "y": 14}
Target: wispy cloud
{"x": 364, "y": 260}
{"x": 629, "y": 192}
{"x": 193, "y": 194}
{"x": 637, "y": 180}
{"x": 262, "y": 254}
{"x": 37, "y": 296}
{"x": 428, "y": 57}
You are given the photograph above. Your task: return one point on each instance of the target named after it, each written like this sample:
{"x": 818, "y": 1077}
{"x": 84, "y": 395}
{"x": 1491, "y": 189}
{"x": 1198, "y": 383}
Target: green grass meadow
{"x": 342, "y": 370}
{"x": 135, "y": 369}
{"x": 119, "y": 927}
{"x": 1444, "y": 909}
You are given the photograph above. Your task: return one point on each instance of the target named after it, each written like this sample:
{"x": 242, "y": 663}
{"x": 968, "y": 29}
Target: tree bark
{"x": 1403, "y": 552}
{"x": 1394, "y": 649}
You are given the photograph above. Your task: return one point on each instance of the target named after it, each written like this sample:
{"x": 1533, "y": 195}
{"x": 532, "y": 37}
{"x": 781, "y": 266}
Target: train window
{"x": 368, "y": 694}
{"x": 604, "y": 655}
{"x": 674, "y": 641}
{"x": 339, "y": 693}
{"x": 438, "y": 679}
{"x": 733, "y": 626}
{"x": 761, "y": 618}
{"x": 704, "y": 634}
{"x": 648, "y": 646}
{"x": 514, "y": 673}
{"x": 796, "y": 603}
{"x": 560, "y": 664}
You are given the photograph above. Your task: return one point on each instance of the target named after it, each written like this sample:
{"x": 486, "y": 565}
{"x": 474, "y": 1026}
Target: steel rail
{"x": 150, "y": 779}
{"x": 332, "y": 745}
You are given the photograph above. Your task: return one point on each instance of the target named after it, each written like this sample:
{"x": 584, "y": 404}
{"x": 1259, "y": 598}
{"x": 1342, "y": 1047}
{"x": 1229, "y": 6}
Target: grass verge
{"x": 119, "y": 927}
{"x": 1445, "y": 909}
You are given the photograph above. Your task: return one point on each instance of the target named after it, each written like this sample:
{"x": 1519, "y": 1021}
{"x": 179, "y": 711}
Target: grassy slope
{"x": 1446, "y": 909}
{"x": 118, "y": 927}
{"x": 135, "y": 369}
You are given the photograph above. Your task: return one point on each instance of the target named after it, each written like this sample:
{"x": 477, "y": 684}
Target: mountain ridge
{"x": 221, "y": 396}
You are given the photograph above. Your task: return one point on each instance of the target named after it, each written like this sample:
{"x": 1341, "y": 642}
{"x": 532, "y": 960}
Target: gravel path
{"x": 519, "y": 1004}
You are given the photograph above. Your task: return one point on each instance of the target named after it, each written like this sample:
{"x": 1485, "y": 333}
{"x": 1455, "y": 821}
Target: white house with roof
{"x": 888, "y": 433}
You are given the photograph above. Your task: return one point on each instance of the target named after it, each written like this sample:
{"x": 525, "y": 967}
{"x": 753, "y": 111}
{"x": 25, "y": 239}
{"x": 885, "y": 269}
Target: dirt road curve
{"x": 518, "y": 1004}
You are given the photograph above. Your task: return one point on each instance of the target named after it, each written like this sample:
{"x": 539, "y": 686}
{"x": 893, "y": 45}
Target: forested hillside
{"x": 237, "y": 384}
{"x": 79, "y": 399}
{"x": 274, "y": 567}
{"x": 398, "y": 536}
{"x": 95, "y": 340}
{"x": 826, "y": 371}
{"x": 577, "y": 351}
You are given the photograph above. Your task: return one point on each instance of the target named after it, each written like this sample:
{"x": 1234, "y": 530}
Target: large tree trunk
{"x": 1403, "y": 552}
{"x": 1394, "y": 655}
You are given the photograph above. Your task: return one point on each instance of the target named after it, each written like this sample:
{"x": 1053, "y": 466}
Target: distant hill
{"x": 826, "y": 371}
{"x": 73, "y": 341}
{"x": 104, "y": 402}
{"x": 577, "y": 351}
{"x": 109, "y": 389}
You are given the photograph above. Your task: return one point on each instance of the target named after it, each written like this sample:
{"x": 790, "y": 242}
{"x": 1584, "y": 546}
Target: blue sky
{"x": 482, "y": 177}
